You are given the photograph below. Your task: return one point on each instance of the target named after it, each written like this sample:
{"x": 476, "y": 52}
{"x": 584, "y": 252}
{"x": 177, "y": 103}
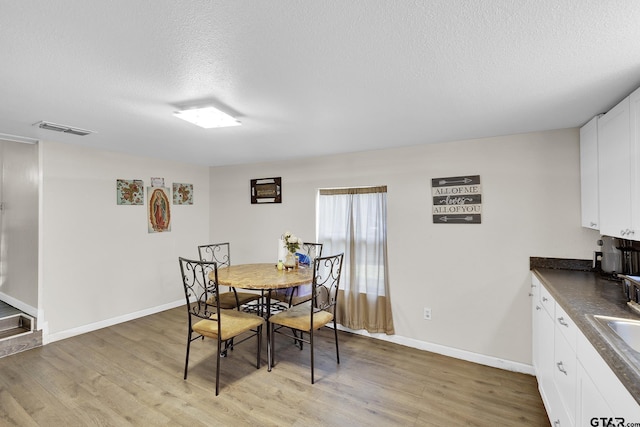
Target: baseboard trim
{"x": 49, "y": 338}
{"x": 25, "y": 308}
{"x": 456, "y": 353}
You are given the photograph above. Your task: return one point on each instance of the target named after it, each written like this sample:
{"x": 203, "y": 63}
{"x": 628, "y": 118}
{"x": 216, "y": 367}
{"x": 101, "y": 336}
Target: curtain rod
{"x": 357, "y": 190}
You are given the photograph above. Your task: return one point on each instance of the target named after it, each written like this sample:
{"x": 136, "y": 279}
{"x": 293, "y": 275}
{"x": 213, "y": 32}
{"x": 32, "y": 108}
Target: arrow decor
{"x": 468, "y": 218}
{"x": 463, "y": 181}
{"x": 457, "y": 200}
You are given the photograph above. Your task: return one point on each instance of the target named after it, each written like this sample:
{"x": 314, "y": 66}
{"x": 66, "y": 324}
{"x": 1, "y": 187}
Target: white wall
{"x": 99, "y": 263}
{"x": 475, "y": 278}
{"x": 19, "y": 225}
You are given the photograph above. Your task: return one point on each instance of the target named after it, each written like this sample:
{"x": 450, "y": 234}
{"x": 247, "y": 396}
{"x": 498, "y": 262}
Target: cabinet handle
{"x": 556, "y": 423}
{"x": 562, "y": 322}
{"x": 538, "y": 307}
{"x": 530, "y": 294}
{"x": 544, "y": 299}
{"x": 533, "y": 286}
{"x": 593, "y": 224}
{"x": 561, "y": 368}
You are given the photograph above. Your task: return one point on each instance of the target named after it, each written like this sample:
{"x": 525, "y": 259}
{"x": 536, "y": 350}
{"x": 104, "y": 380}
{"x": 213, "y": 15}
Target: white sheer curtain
{"x": 354, "y": 221}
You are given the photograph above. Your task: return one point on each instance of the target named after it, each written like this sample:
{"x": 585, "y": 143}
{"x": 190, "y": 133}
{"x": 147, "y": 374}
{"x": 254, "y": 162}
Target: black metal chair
{"x": 200, "y": 281}
{"x": 314, "y": 314}
{"x": 299, "y": 294}
{"x": 220, "y": 253}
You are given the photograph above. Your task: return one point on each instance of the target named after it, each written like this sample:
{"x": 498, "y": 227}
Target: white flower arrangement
{"x": 291, "y": 242}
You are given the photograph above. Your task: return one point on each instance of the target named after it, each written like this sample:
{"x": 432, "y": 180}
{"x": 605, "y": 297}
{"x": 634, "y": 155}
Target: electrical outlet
{"x": 427, "y": 313}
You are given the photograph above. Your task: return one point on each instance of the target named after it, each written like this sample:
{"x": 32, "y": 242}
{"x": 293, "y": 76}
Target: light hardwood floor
{"x": 131, "y": 374}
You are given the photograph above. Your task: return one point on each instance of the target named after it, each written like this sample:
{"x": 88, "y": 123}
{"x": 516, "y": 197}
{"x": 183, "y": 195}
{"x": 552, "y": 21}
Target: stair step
{"x": 16, "y": 325}
{"x": 18, "y": 343}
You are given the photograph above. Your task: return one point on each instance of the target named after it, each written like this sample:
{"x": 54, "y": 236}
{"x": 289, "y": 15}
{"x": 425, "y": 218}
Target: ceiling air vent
{"x": 63, "y": 128}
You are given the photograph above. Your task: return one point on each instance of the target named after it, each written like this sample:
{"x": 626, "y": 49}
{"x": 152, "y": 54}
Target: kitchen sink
{"x": 628, "y": 330}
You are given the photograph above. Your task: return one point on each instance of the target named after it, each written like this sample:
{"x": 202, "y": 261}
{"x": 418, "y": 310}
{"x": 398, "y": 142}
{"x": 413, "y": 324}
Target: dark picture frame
{"x": 457, "y": 200}
{"x": 266, "y": 190}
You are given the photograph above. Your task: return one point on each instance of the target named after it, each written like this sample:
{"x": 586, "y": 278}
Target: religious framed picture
{"x": 159, "y": 210}
{"x": 182, "y": 194}
{"x": 266, "y": 190}
{"x": 129, "y": 192}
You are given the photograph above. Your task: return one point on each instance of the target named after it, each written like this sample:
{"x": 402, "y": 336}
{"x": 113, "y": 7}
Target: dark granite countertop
{"x": 582, "y": 295}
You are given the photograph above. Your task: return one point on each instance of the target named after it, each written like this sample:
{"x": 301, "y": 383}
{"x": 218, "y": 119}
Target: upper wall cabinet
{"x": 618, "y": 169}
{"x": 634, "y": 104}
{"x": 615, "y": 170}
{"x": 589, "y": 174}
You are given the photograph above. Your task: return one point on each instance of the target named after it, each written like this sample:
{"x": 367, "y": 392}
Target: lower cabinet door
{"x": 564, "y": 374}
{"x": 545, "y": 358}
{"x": 558, "y": 416}
{"x": 592, "y": 409}
{"x": 612, "y": 393}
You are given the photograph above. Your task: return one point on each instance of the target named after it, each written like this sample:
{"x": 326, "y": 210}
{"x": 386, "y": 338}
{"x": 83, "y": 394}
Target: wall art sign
{"x": 457, "y": 200}
{"x": 159, "y": 211}
{"x": 266, "y": 190}
{"x": 130, "y": 192}
{"x": 182, "y": 194}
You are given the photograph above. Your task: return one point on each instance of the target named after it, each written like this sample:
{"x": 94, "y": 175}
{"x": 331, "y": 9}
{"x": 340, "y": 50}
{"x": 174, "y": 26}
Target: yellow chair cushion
{"x": 228, "y": 299}
{"x": 232, "y": 324}
{"x": 299, "y": 317}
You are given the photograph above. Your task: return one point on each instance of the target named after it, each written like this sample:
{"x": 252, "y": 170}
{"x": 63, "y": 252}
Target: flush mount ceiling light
{"x": 63, "y": 128}
{"x": 207, "y": 117}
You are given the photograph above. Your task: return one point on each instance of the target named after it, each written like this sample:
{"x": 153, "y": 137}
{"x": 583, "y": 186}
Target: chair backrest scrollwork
{"x": 199, "y": 287}
{"x": 312, "y": 250}
{"x": 219, "y": 253}
{"x": 326, "y": 281}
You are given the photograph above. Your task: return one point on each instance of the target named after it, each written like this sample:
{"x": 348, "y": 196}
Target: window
{"x": 354, "y": 221}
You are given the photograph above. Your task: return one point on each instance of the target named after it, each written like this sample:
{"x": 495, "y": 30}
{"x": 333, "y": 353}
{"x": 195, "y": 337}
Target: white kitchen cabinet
{"x": 591, "y": 403}
{"x": 619, "y": 169}
{"x": 564, "y": 375}
{"x": 566, "y": 326}
{"x": 547, "y": 302}
{"x": 575, "y": 383}
{"x": 589, "y": 175}
{"x": 536, "y": 310}
{"x": 546, "y": 368}
{"x": 615, "y": 171}
{"x": 634, "y": 107}
{"x": 610, "y": 170}
{"x": 544, "y": 356}
{"x": 611, "y": 393}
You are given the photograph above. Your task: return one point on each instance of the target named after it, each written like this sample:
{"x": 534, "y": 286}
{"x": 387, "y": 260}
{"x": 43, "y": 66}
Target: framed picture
{"x": 182, "y": 194}
{"x": 457, "y": 200}
{"x": 129, "y": 192}
{"x": 159, "y": 210}
{"x": 266, "y": 190}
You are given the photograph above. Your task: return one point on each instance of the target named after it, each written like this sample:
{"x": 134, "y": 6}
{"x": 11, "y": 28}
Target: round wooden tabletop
{"x": 263, "y": 276}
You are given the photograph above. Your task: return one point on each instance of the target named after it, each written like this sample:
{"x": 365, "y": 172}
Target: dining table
{"x": 264, "y": 277}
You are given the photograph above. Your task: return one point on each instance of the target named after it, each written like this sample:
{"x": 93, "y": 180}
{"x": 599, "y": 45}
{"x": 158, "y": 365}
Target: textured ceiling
{"x": 310, "y": 78}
